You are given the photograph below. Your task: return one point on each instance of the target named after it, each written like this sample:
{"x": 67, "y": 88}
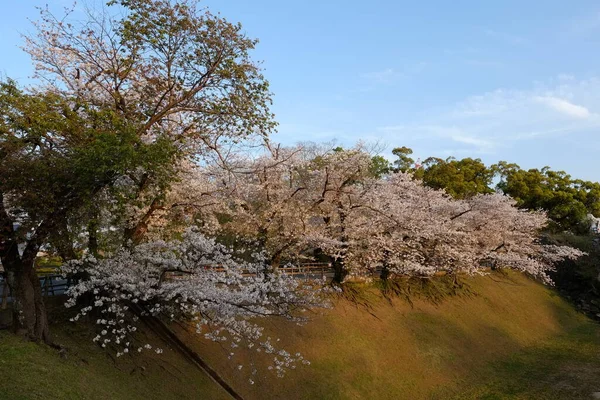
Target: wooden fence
{"x": 304, "y": 270}
{"x": 54, "y": 284}
{"x": 308, "y": 269}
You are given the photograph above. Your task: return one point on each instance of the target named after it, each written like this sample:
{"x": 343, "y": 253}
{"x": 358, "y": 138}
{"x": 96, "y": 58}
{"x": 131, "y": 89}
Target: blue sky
{"x": 504, "y": 80}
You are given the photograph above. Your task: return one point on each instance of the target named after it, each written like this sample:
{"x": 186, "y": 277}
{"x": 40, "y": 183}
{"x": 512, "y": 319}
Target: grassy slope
{"x": 514, "y": 339}
{"x": 32, "y": 371}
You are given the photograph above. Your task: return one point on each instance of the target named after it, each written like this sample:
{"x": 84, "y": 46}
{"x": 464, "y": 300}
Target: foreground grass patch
{"x": 507, "y": 338}
{"x": 35, "y": 371}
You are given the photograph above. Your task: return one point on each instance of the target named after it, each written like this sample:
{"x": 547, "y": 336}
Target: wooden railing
{"x": 308, "y": 269}
{"x": 51, "y": 282}
{"x": 54, "y": 284}
{"x": 303, "y": 270}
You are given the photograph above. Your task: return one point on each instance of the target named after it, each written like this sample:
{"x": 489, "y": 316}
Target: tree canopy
{"x": 129, "y": 95}
{"x": 459, "y": 178}
{"x": 567, "y": 200}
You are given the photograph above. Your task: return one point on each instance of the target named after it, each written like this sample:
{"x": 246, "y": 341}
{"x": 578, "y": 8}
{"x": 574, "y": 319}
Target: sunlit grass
{"x": 507, "y": 337}
{"x": 500, "y": 340}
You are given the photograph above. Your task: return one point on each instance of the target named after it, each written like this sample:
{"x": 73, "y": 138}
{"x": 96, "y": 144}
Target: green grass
{"x": 509, "y": 337}
{"x": 34, "y": 371}
{"x": 506, "y": 337}
{"x": 564, "y": 367}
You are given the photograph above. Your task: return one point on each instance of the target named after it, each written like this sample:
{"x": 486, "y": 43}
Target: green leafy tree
{"x": 379, "y": 167}
{"x": 404, "y": 162}
{"x": 460, "y": 178}
{"x": 567, "y": 201}
{"x": 127, "y": 99}
{"x": 54, "y": 162}
{"x": 171, "y": 69}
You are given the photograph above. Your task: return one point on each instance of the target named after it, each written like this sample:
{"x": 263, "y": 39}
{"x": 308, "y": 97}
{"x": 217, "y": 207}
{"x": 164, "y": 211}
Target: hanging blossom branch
{"x": 219, "y": 293}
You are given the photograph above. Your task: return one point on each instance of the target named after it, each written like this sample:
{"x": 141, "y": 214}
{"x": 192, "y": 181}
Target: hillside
{"x": 513, "y": 338}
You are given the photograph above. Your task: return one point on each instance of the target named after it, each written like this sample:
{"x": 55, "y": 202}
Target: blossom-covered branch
{"x": 218, "y": 292}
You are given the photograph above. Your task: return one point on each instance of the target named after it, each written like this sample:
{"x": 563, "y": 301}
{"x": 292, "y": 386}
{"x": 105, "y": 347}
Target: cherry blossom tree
{"x": 148, "y": 86}
{"x": 406, "y": 228}
{"x": 268, "y": 204}
{"x": 503, "y": 235}
{"x": 221, "y": 294}
{"x": 297, "y": 202}
{"x": 174, "y": 71}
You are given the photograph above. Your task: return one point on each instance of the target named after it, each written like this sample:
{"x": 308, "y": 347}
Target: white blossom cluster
{"x": 292, "y": 201}
{"x": 194, "y": 279}
{"x": 411, "y": 229}
{"x": 286, "y": 206}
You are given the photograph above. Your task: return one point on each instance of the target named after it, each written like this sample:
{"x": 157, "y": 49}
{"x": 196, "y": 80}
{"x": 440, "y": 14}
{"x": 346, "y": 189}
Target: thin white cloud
{"x": 505, "y": 37}
{"x": 563, "y": 106}
{"x": 393, "y": 75}
{"x": 496, "y": 120}
{"x": 387, "y": 75}
{"x": 472, "y": 140}
{"x": 449, "y": 134}
{"x": 565, "y": 77}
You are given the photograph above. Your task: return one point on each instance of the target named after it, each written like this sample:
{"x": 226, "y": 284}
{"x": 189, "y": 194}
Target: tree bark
{"x": 29, "y": 312}
{"x": 30, "y": 318}
{"x": 92, "y": 229}
{"x": 385, "y": 273}
{"x": 385, "y": 268}
{"x": 136, "y": 233}
{"x": 275, "y": 261}
{"x": 339, "y": 265}
{"x": 339, "y": 269}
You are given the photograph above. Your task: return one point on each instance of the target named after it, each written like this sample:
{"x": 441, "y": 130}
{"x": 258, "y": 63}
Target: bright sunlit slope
{"x": 513, "y": 339}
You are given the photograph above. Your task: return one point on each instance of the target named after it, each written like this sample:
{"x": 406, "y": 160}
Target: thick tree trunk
{"x": 339, "y": 269}
{"x": 385, "y": 273}
{"x": 339, "y": 265}
{"x": 92, "y": 230}
{"x": 275, "y": 261}
{"x": 29, "y": 311}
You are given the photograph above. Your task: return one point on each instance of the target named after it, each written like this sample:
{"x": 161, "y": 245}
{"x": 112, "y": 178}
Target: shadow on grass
{"x": 566, "y": 367}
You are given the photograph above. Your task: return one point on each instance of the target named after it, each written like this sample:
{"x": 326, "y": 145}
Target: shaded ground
{"x": 565, "y": 367}
{"x": 32, "y": 371}
{"x": 578, "y": 280}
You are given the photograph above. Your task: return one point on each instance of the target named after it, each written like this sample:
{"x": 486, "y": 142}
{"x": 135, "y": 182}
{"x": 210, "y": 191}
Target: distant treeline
{"x": 567, "y": 200}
